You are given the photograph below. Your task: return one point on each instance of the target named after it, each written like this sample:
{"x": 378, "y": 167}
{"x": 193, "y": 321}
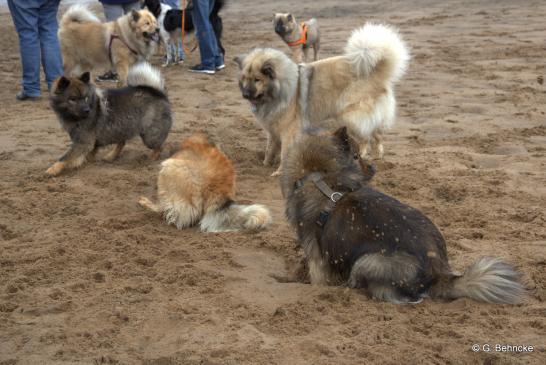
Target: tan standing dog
{"x": 197, "y": 185}
{"x": 299, "y": 37}
{"x": 356, "y": 89}
{"x": 88, "y": 44}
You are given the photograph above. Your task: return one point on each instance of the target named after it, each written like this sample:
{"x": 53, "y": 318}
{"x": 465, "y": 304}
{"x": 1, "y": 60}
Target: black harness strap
{"x": 114, "y": 36}
{"x": 334, "y": 196}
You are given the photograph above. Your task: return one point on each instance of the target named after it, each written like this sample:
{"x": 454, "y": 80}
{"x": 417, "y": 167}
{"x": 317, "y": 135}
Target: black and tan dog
{"x": 170, "y": 25}
{"x": 354, "y": 234}
{"x": 95, "y": 118}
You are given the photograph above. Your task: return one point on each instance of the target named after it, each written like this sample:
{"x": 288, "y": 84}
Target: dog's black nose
{"x": 86, "y": 110}
{"x": 157, "y": 30}
{"x": 247, "y": 94}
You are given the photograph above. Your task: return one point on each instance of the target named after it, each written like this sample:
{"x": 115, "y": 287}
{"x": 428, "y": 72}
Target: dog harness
{"x": 303, "y": 39}
{"x": 334, "y": 196}
{"x": 114, "y": 36}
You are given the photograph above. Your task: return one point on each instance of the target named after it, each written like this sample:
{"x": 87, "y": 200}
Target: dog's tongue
{"x": 253, "y": 105}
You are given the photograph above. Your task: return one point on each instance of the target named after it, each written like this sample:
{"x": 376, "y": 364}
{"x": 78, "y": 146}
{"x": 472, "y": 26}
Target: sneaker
{"x": 221, "y": 67}
{"x": 108, "y": 76}
{"x": 199, "y": 68}
{"x": 21, "y": 96}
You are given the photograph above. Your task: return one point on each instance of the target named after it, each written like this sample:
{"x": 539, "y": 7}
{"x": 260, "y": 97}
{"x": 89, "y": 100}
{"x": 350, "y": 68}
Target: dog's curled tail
{"x": 236, "y": 217}
{"x": 144, "y": 74}
{"x": 78, "y": 14}
{"x": 489, "y": 280}
{"x": 374, "y": 44}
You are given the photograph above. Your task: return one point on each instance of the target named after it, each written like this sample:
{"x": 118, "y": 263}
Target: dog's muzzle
{"x": 152, "y": 36}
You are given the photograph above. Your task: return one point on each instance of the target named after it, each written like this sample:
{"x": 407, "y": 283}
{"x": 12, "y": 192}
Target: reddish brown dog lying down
{"x": 197, "y": 185}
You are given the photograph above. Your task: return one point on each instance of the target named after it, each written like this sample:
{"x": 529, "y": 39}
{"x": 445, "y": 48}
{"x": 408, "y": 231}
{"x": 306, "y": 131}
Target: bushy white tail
{"x": 374, "y": 43}
{"x": 236, "y": 217}
{"x": 78, "y": 14}
{"x": 489, "y": 280}
{"x": 144, "y": 74}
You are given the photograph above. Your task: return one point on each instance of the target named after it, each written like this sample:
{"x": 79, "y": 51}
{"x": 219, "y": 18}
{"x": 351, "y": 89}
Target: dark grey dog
{"x": 95, "y": 118}
{"x": 354, "y": 234}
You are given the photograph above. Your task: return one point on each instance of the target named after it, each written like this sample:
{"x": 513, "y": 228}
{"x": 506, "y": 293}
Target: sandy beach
{"x": 89, "y": 277}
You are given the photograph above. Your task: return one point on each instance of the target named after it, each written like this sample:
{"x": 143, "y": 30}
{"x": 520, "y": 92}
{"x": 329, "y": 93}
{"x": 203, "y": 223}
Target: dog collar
{"x": 115, "y": 36}
{"x": 303, "y": 38}
{"x": 333, "y": 196}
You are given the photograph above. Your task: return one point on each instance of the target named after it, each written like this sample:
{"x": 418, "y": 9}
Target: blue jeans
{"x": 175, "y": 4}
{"x": 114, "y": 11}
{"x": 36, "y": 25}
{"x": 211, "y": 57}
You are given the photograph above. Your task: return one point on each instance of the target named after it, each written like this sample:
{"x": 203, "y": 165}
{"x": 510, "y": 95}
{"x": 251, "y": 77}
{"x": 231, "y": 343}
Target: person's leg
{"x": 112, "y": 12}
{"x": 49, "y": 42}
{"x": 181, "y": 53}
{"x": 218, "y": 56}
{"x": 25, "y": 18}
{"x": 175, "y": 4}
{"x": 207, "y": 44}
{"x": 131, "y": 6}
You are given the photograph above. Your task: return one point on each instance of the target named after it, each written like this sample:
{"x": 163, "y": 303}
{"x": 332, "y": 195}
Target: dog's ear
{"x": 343, "y": 138}
{"x": 268, "y": 69}
{"x": 62, "y": 84}
{"x": 85, "y": 77}
{"x": 289, "y": 17}
{"x": 135, "y": 15}
{"x": 239, "y": 60}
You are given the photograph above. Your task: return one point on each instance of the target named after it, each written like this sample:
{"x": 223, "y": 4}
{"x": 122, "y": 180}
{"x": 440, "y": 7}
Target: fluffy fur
{"x": 85, "y": 41}
{"x": 94, "y": 118}
{"x": 373, "y": 241}
{"x": 290, "y": 31}
{"x": 356, "y": 89}
{"x": 197, "y": 185}
{"x": 170, "y": 25}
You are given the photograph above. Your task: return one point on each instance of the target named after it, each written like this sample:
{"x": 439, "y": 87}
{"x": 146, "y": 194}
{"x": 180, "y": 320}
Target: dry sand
{"x": 87, "y": 277}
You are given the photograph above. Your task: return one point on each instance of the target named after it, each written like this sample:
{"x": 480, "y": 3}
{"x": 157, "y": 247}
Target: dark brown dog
{"x": 355, "y": 234}
{"x": 94, "y": 118}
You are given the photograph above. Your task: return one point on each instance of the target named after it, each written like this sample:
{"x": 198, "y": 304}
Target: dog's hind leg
{"x": 112, "y": 155}
{"x": 122, "y": 68}
{"x": 386, "y": 276}
{"x": 378, "y": 144}
{"x": 363, "y": 148}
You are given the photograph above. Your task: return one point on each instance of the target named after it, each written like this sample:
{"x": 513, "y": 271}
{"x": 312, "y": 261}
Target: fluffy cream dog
{"x": 355, "y": 88}
{"x": 88, "y": 44}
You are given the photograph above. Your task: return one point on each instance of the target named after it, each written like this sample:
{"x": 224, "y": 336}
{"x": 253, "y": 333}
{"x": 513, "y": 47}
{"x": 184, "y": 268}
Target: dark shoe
{"x": 199, "y": 68}
{"x": 221, "y": 67}
{"x": 109, "y": 76}
{"x": 22, "y": 96}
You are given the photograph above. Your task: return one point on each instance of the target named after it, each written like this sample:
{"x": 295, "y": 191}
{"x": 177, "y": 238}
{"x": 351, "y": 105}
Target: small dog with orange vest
{"x": 299, "y": 37}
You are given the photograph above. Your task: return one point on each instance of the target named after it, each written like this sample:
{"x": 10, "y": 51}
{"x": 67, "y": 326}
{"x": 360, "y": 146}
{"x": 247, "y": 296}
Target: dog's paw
{"x": 144, "y": 202}
{"x": 276, "y": 173}
{"x": 55, "y": 169}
